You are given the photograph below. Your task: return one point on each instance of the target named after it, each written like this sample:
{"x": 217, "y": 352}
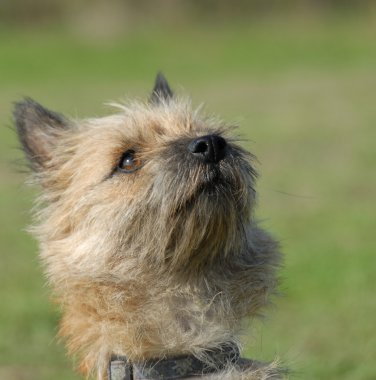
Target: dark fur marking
{"x": 36, "y": 127}
{"x": 161, "y": 90}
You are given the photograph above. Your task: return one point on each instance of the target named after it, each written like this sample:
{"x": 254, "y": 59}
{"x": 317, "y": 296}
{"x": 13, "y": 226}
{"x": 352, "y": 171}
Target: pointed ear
{"x": 161, "y": 90}
{"x": 38, "y": 130}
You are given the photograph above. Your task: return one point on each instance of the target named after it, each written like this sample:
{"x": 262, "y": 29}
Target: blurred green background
{"x": 299, "y": 77}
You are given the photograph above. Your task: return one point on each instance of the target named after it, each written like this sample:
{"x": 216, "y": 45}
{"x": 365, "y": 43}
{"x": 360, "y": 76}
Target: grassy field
{"x": 304, "y": 94}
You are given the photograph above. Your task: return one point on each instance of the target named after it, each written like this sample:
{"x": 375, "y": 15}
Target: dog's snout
{"x": 210, "y": 148}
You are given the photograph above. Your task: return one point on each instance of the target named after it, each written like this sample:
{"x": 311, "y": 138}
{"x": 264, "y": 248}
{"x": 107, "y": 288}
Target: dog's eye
{"x": 129, "y": 162}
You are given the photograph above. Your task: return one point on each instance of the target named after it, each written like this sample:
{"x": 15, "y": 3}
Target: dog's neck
{"x": 152, "y": 316}
{"x": 153, "y": 323}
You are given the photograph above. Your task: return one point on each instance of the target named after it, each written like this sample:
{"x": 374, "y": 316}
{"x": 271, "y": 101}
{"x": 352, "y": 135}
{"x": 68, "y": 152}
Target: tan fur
{"x": 145, "y": 264}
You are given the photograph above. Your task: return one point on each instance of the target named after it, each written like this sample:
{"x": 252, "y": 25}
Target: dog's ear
{"x": 38, "y": 131}
{"x": 161, "y": 90}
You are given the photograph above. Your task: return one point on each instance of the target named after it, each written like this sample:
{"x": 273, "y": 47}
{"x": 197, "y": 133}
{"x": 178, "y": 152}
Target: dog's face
{"x": 154, "y": 187}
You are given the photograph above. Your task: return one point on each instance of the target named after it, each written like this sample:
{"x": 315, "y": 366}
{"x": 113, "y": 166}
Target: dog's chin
{"x": 211, "y": 177}
{"x": 213, "y": 186}
{"x": 216, "y": 188}
{"x": 210, "y": 186}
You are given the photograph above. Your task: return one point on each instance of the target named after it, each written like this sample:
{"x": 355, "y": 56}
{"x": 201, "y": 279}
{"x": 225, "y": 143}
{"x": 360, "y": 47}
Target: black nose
{"x": 210, "y": 148}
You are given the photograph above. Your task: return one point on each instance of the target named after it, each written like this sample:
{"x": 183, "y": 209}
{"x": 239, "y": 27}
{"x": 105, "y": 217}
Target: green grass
{"x": 304, "y": 95}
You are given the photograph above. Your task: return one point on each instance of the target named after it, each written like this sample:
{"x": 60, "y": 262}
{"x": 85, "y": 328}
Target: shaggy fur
{"x": 165, "y": 260}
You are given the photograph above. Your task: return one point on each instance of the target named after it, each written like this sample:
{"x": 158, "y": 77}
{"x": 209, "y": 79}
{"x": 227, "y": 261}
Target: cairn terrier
{"x": 148, "y": 238}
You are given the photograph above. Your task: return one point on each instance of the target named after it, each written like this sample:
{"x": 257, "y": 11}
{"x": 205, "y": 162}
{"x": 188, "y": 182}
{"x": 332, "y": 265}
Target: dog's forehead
{"x": 144, "y": 124}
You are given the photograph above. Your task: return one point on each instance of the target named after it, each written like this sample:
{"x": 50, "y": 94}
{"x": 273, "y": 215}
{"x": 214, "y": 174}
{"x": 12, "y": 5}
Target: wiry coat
{"x": 162, "y": 261}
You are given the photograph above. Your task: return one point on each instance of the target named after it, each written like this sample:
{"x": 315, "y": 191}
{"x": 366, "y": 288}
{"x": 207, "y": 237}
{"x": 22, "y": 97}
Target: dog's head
{"x": 156, "y": 186}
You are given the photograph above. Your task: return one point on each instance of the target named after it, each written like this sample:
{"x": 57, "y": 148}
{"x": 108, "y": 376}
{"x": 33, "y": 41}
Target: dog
{"x": 148, "y": 238}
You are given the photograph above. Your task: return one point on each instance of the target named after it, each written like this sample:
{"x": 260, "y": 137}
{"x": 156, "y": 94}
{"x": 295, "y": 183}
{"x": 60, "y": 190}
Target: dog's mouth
{"x": 213, "y": 180}
{"x": 212, "y": 186}
{"x": 212, "y": 176}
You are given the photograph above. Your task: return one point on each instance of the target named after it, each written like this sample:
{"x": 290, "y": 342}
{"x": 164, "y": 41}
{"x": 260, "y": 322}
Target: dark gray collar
{"x": 173, "y": 368}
